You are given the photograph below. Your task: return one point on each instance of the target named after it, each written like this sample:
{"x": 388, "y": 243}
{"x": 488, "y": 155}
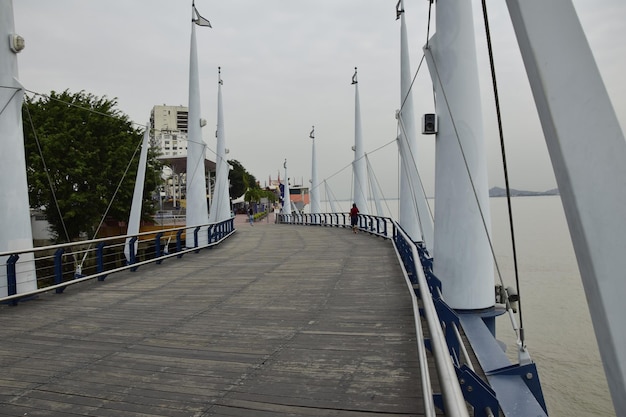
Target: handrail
{"x": 427, "y": 391}
{"x": 216, "y": 233}
{"x": 375, "y": 225}
{"x": 454, "y": 402}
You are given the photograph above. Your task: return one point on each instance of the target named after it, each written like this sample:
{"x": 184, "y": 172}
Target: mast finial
{"x": 354, "y": 80}
{"x": 312, "y": 134}
{"x": 399, "y": 9}
{"x": 196, "y": 18}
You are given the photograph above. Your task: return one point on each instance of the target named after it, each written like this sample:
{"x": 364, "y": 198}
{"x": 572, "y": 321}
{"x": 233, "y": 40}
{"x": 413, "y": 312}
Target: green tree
{"x": 240, "y": 179}
{"x": 87, "y": 145}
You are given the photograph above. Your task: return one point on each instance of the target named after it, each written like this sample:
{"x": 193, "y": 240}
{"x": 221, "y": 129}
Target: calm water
{"x": 557, "y": 324}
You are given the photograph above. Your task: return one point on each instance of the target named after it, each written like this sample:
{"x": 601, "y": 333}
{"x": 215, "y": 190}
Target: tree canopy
{"x": 240, "y": 179}
{"x": 89, "y": 149}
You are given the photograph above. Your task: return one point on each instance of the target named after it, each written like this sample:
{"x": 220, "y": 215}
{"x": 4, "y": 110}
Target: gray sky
{"x": 286, "y": 66}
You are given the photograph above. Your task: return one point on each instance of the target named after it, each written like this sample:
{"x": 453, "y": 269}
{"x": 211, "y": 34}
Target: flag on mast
{"x": 199, "y": 20}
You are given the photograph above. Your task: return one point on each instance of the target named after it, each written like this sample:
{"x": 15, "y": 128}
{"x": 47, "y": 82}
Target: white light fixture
{"x": 202, "y": 122}
{"x": 16, "y": 42}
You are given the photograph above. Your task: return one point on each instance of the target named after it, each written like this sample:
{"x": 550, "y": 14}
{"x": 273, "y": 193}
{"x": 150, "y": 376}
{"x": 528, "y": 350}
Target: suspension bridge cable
{"x": 45, "y": 168}
{"x": 139, "y": 125}
{"x": 119, "y": 185}
{"x": 376, "y": 183}
{"x": 504, "y": 164}
{"x": 430, "y": 6}
{"x": 421, "y": 184}
{"x": 17, "y": 90}
{"x": 350, "y": 164}
{"x": 467, "y": 169}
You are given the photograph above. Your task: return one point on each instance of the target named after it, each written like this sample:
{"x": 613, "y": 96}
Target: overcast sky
{"x": 287, "y": 65}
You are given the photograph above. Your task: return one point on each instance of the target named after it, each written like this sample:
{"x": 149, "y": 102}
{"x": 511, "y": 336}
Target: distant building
{"x": 169, "y": 130}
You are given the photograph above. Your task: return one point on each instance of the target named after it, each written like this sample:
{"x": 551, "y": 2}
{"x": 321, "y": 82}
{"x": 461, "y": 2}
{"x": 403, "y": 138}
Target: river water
{"x": 558, "y": 328}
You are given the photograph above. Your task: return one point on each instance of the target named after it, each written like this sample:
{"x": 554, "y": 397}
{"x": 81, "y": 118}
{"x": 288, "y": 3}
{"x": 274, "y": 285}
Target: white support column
{"x": 588, "y": 153}
{"x": 415, "y": 215}
{"x": 220, "y": 206}
{"x": 358, "y": 166}
{"x": 15, "y": 228}
{"x": 287, "y": 195}
{"x": 197, "y": 209}
{"x": 462, "y": 257}
{"x": 134, "y": 220}
{"x": 315, "y": 185}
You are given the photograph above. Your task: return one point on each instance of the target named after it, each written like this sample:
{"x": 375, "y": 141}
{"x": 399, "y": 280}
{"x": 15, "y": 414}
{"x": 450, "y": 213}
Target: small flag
{"x": 354, "y": 81}
{"x": 199, "y": 20}
{"x": 285, "y": 164}
{"x": 312, "y": 134}
{"x": 219, "y": 76}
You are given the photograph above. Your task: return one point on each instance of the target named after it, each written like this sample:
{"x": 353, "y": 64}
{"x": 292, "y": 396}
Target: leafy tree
{"x": 87, "y": 145}
{"x": 240, "y": 179}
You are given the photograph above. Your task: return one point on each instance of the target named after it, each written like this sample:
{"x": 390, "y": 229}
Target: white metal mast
{"x": 415, "y": 216}
{"x": 315, "y": 184}
{"x": 197, "y": 210}
{"x": 134, "y": 218}
{"x": 15, "y": 227}
{"x": 588, "y": 153}
{"x": 220, "y": 206}
{"x": 358, "y": 166}
{"x": 287, "y": 196}
{"x": 462, "y": 257}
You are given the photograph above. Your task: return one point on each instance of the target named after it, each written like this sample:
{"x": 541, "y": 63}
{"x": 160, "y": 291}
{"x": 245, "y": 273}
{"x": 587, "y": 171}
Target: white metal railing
{"x": 375, "y": 225}
{"x": 454, "y": 402}
{"x": 54, "y": 257}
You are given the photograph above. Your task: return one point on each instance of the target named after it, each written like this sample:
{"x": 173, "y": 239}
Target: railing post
{"x": 195, "y": 239}
{"x": 209, "y": 233}
{"x": 58, "y": 269}
{"x": 100, "y": 260}
{"x": 158, "y": 251}
{"x": 12, "y": 277}
{"x": 131, "y": 253}
{"x": 179, "y": 243}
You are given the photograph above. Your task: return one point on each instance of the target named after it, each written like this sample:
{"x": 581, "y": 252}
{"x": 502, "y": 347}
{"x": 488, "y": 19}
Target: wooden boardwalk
{"x": 278, "y": 321}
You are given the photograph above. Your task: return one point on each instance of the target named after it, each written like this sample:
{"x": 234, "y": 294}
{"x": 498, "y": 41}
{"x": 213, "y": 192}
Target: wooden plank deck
{"x": 278, "y": 321}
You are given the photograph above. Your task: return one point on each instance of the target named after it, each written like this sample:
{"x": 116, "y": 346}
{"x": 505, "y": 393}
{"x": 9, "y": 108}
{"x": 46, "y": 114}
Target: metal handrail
{"x": 454, "y": 402}
{"x": 375, "y": 225}
{"x": 427, "y": 390}
{"x": 217, "y": 232}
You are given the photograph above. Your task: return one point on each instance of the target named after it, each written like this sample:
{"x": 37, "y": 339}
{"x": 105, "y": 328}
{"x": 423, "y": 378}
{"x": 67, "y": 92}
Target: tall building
{"x": 169, "y": 130}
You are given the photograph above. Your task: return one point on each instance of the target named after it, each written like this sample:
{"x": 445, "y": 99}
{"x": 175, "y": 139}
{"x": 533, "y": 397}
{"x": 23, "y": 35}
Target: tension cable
{"x": 504, "y": 164}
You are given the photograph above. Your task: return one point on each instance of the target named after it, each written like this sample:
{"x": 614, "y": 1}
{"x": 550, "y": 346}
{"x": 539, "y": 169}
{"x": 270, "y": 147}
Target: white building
{"x": 169, "y": 130}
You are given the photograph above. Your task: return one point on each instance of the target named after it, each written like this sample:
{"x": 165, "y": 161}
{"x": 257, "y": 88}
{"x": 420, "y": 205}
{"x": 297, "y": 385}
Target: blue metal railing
{"x": 374, "y": 225}
{"x": 58, "y": 266}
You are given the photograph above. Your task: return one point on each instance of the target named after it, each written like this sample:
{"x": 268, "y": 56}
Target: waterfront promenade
{"x": 279, "y": 320}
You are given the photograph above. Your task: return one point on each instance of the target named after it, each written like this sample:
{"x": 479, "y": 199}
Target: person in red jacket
{"x": 354, "y": 217}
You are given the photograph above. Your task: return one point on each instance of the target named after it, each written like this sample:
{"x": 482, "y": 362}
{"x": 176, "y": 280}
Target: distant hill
{"x": 501, "y": 192}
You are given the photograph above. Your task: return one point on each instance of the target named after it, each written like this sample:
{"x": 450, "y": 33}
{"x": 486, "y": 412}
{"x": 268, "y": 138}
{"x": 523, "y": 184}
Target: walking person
{"x": 354, "y": 217}
{"x": 251, "y": 216}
